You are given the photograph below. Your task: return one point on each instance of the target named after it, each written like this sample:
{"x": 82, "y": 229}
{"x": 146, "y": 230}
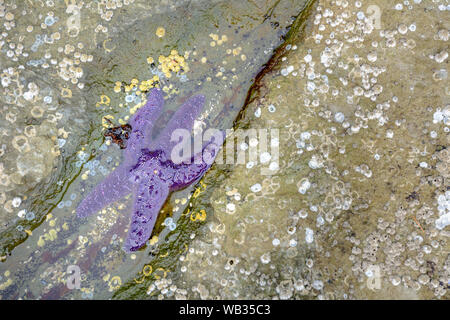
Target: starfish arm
{"x": 187, "y": 173}
{"x": 112, "y": 188}
{"x": 142, "y": 124}
{"x": 183, "y": 118}
{"x": 149, "y": 198}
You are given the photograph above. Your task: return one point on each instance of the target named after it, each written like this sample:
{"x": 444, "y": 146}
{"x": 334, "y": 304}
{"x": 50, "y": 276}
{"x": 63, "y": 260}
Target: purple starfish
{"x": 148, "y": 171}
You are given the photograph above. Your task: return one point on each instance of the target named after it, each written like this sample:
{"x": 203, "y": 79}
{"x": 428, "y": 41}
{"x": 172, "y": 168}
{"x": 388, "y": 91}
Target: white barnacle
{"x": 304, "y": 186}
{"x": 309, "y": 235}
{"x": 256, "y": 187}
{"x": 339, "y": 117}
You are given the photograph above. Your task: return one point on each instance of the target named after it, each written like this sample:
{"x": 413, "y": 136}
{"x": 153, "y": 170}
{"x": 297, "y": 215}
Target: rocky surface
{"x": 356, "y": 210}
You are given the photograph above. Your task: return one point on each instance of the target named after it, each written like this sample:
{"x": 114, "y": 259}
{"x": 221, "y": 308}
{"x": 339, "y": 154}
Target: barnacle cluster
{"x": 359, "y": 207}
{"x": 353, "y": 205}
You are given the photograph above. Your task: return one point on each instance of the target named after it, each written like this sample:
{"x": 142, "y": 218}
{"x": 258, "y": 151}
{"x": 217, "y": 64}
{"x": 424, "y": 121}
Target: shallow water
{"x": 357, "y": 90}
{"x": 88, "y": 61}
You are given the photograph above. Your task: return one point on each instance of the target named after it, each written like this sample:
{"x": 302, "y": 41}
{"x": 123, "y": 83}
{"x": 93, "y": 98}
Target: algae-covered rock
{"x": 351, "y": 211}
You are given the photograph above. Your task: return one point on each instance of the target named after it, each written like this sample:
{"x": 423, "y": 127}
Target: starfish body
{"x": 147, "y": 170}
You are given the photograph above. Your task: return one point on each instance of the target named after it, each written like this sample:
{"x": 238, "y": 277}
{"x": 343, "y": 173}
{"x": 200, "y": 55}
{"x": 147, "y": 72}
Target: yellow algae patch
{"x": 87, "y": 290}
{"x": 66, "y": 93}
{"x": 41, "y": 242}
{"x": 174, "y": 91}
{"x": 148, "y": 84}
{"x": 105, "y": 122}
{"x": 6, "y": 284}
{"x": 237, "y": 51}
{"x": 163, "y": 255}
{"x": 117, "y": 86}
{"x": 198, "y": 216}
{"x": 139, "y": 281}
{"x": 214, "y": 36}
{"x": 134, "y": 83}
{"x": 153, "y": 240}
{"x": 51, "y": 235}
{"x": 115, "y": 283}
{"x": 106, "y": 48}
{"x": 147, "y": 270}
{"x": 136, "y": 107}
{"x": 144, "y": 85}
{"x": 199, "y": 190}
{"x": 172, "y": 63}
{"x": 160, "y": 32}
{"x": 164, "y": 271}
{"x": 104, "y": 100}
{"x": 166, "y": 89}
{"x": 216, "y": 39}
{"x": 65, "y": 226}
